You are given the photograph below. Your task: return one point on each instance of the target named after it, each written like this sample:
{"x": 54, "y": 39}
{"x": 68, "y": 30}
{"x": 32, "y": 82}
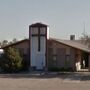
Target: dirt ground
{"x": 51, "y": 81}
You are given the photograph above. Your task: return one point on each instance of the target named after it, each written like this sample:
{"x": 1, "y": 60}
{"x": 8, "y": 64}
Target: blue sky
{"x": 64, "y": 17}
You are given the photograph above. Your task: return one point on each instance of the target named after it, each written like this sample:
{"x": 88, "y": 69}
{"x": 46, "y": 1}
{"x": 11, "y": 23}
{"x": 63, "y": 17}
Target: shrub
{"x": 53, "y": 69}
{"x": 60, "y": 69}
{"x": 11, "y": 61}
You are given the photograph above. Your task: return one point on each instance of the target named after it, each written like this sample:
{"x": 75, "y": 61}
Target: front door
{"x": 40, "y": 61}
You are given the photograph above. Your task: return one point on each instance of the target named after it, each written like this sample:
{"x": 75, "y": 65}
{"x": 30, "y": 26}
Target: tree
{"x": 85, "y": 39}
{"x": 4, "y": 42}
{"x": 10, "y": 42}
{"x": 11, "y": 61}
{"x": 14, "y": 40}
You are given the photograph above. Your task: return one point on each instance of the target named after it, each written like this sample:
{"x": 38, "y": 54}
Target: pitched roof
{"x": 73, "y": 44}
{"x": 70, "y": 43}
{"x": 24, "y": 40}
{"x": 39, "y": 24}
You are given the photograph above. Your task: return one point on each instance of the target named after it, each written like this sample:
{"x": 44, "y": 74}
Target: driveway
{"x": 50, "y": 81}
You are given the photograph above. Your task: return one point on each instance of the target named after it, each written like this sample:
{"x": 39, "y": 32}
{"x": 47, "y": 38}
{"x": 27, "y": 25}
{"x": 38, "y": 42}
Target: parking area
{"x": 50, "y": 81}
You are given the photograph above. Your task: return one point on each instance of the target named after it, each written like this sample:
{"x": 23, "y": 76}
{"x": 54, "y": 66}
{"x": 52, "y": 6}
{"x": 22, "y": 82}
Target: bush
{"x": 53, "y": 69}
{"x": 60, "y": 69}
{"x": 11, "y": 61}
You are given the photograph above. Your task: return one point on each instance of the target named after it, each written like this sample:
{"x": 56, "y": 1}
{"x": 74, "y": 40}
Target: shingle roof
{"x": 70, "y": 43}
{"x": 24, "y": 40}
{"x": 73, "y": 44}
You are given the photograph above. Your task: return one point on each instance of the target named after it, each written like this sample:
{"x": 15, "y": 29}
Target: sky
{"x": 64, "y": 17}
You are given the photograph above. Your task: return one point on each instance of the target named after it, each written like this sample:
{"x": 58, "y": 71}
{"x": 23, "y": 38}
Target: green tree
{"x": 14, "y": 40}
{"x": 4, "y": 42}
{"x": 11, "y": 61}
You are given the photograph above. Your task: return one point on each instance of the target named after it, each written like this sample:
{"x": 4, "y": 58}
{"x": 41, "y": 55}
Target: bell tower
{"x": 38, "y": 46}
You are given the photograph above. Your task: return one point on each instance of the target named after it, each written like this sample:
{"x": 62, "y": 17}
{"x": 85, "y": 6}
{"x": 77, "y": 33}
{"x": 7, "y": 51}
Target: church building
{"x": 41, "y": 52}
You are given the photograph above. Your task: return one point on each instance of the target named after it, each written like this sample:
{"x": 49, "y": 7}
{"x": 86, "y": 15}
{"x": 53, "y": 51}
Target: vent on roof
{"x": 72, "y": 37}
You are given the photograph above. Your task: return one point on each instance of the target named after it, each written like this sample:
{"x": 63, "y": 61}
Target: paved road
{"x": 66, "y": 81}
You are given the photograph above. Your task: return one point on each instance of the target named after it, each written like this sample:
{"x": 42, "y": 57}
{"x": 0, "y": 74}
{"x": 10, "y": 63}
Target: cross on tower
{"x": 38, "y": 35}
{"x": 38, "y": 45}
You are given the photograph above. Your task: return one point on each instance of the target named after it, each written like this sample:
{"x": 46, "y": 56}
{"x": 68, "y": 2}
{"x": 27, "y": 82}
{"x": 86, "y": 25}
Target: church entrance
{"x": 40, "y": 62}
{"x": 84, "y": 61}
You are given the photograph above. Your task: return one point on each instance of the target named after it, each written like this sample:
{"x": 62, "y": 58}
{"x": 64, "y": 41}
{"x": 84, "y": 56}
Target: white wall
{"x": 37, "y": 57}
